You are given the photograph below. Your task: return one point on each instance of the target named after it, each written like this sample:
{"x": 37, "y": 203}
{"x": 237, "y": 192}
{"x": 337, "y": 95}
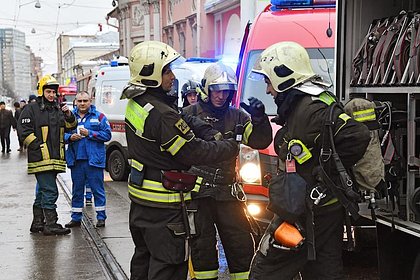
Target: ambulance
{"x": 310, "y": 23}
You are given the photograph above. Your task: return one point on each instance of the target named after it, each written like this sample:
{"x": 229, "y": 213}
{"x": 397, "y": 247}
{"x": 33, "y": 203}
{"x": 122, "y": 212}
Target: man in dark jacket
{"x": 219, "y": 207}
{"x": 18, "y": 110}
{"x": 159, "y": 141}
{"x": 6, "y": 122}
{"x": 304, "y": 149}
{"x": 41, "y": 126}
{"x": 86, "y": 158}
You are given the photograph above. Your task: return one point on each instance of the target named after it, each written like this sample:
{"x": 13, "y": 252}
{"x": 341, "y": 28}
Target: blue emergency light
{"x": 114, "y": 63}
{"x": 201, "y": 59}
{"x": 290, "y": 4}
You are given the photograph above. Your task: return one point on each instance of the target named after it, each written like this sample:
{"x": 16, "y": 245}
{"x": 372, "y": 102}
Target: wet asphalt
{"x": 25, "y": 255}
{"x": 87, "y": 253}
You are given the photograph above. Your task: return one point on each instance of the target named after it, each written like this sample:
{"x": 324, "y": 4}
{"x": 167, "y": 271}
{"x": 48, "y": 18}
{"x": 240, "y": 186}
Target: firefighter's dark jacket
{"x": 256, "y": 133}
{"x": 305, "y": 119}
{"x": 159, "y": 139}
{"x": 41, "y": 127}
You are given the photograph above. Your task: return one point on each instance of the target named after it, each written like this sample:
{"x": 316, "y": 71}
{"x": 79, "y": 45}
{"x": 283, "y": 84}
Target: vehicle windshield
{"x": 322, "y": 61}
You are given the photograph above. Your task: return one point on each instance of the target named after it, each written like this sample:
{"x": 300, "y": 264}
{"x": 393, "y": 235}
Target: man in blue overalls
{"x": 86, "y": 158}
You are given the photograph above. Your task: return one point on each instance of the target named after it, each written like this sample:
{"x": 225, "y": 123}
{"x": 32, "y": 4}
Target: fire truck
{"x": 311, "y": 24}
{"x": 67, "y": 94}
{"x": 377, "y": 58}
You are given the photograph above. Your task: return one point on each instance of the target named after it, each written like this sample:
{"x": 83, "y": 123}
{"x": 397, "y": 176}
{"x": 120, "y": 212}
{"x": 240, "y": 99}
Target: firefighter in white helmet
{"x": 306, "y": 111}
{"x": 159, "y": 141}
{"x": 41, "y": 127}
{"x": 219, "y": 205}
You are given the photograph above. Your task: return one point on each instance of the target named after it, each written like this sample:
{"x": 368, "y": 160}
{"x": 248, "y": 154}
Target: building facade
{"x": 205, "y": 28}
{"x": 20, "y": 68}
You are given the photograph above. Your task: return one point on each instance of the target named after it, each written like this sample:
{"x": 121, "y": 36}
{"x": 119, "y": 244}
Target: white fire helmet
{"x": 147, "y": 60}
{"x": 285, "y": 64}
{"x": 218, "y": 77}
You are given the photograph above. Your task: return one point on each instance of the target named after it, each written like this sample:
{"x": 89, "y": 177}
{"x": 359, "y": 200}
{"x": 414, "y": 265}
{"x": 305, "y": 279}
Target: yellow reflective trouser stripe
{"x": 137, "y": 115}
{"x": 70, "y": 125}
{"x": 147, "y": 193}
{"x": 62, "y": 145}
{"x": 177, "y": 145}
{"x": 29, "y": 139}
{"x": 210, "y": 274}
{"x": 364, "y": 115}
{"x": 137, "y": 165}
{"x": 247, "y": 132}
{"x": 239, "y": 275}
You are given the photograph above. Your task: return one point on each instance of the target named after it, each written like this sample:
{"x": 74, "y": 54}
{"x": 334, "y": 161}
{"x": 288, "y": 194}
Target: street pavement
{"x": 26, "y": 255}
{"x": 86, "y": 253}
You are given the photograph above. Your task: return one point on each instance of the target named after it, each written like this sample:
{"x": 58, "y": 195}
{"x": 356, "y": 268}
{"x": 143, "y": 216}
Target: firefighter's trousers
{"x": 159, "y": 253}
{"x": 82, "y": 173}
{"x": 234, "y": 231}
{"x": 47, "y": 191}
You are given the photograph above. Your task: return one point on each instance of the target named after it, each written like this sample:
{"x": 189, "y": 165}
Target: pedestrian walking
{"x": 162, "y": 146}
{"x": 7, "y": 121}
{"x": 220, "y": 206}
{"x": 306, "y": 111}
{"x": 86, "y": 158}
{"x": 41, "y": 126}
{"x": 18, "y": 110}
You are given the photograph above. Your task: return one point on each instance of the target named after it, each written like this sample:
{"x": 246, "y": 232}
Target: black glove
{"x": 255, "y": 108}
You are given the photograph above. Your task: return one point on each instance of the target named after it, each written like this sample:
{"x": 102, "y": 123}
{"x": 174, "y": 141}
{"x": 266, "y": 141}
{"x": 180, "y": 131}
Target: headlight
{"x": 254, "y": 209}
{"x": 249, "y": 165}
{"x": 250, "y": 172}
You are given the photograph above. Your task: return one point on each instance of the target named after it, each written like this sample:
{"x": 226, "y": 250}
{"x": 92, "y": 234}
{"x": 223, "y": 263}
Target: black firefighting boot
{"x": 51, "y": 227}
{"x": 38, "y": 221}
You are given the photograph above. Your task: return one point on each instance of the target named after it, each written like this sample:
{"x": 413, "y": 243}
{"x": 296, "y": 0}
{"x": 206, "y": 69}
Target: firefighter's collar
{"x": 314, "y": 88}
{"x": 131, "y": 91}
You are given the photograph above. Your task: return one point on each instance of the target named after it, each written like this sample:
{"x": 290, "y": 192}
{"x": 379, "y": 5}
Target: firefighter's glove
{"x": 255, "y": 108}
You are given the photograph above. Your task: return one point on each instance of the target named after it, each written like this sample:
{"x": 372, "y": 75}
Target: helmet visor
{"x": 220, "y": 87}
{"x": 177, "y": 63}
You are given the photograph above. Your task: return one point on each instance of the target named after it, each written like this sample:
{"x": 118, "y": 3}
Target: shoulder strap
{"x": 329, "y": 156}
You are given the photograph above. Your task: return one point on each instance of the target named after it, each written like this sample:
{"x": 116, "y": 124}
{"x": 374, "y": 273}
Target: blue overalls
{"x": 86, "y": 159}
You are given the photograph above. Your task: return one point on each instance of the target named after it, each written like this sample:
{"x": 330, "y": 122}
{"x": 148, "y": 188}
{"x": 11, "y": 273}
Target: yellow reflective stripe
{"x": 137, "y": 115}
{"x": 239, "y": 275}
{"x": 247, "y": 132}
{"x": 72, "y": 124}
{"x": 62, "y": 145}
{"x": 44, "y": 151}
{"x": 44, "y": 130}
{"x": 177, "y": 145}
{"x": 197, "y": 184}
{"x": 345, "y": 118}
{"x": 47, "y": 162}
{"x": 146, "y": 194}
{"x": 137, "y": 165}
{"x": 29, "y": 139}
{"x": 364, "y": 115}
{"x": 324, "y": 97}
{"x": 209, "y": 274}
{"x": 331, "y": 201}
{"x": 46, "y": 165}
